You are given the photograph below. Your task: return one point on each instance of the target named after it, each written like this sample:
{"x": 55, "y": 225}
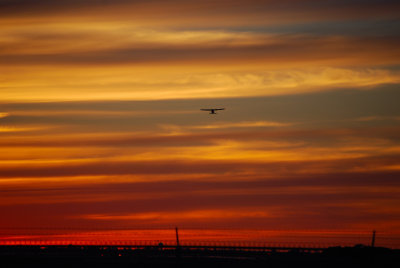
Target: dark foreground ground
{"x": 113, "y": 257}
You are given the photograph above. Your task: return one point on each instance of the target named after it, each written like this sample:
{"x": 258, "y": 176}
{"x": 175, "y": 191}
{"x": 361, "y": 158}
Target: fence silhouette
{"x": 193, "y": 238}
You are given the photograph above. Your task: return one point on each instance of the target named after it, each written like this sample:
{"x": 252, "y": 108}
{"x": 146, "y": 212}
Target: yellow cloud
{"x": 148, "y": 83}
{"x": 18, "y": 129}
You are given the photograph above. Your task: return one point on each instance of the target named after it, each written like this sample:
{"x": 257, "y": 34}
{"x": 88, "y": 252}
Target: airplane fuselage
{"x": 212, "y": 111}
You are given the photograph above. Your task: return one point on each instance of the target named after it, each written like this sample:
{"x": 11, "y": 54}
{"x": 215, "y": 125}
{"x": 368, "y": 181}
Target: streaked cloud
{"x": 180, "y": 85}
{"x": 18, "y": 129}
{"x": 193, "y": 13}
{"x": 192, "y": 215}
{"x": 3, "y": 115}
{"x": 222, "y": 125}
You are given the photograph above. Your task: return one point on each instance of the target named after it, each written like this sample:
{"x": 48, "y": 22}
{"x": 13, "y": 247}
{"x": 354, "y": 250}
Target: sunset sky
{"x": 100, "y": 121}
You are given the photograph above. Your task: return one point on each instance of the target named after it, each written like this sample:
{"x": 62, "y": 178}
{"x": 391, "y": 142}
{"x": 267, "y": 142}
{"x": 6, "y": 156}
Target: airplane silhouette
{"x": 212, "y": 111}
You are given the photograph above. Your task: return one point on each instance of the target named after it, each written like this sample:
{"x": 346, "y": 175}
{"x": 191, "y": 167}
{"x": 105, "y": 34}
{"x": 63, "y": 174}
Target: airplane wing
{"x": 219, "y": 109}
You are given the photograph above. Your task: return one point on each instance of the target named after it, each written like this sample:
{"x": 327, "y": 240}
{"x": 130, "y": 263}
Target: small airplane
{"x": 212, "y": 111}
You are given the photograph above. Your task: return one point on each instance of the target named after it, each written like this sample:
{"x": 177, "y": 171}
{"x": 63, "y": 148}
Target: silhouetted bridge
{"x": 160, "y": 247}
{"x": 184, "y": 248}
{"x": 195, "y": 256}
